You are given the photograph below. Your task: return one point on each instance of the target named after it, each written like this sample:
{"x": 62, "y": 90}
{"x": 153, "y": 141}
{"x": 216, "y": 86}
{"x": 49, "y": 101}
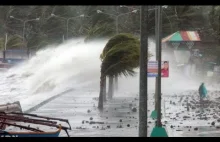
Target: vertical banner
{"x": 153, "y": 69}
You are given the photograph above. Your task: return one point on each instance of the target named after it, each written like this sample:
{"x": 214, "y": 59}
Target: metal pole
{"x": 24, "y": 38}
{"x": 156, "y": 40}
{"x": 4, "y": 52}
{"x": 67, "y": 26}
{"x": 143, "y": 74}
{"x": 116, "y": 77}
{"x": 6, "y": 40}
{"x": 159, "y": 16}
{"x": 24, "y": 30}
{"x": 28, "y": 52}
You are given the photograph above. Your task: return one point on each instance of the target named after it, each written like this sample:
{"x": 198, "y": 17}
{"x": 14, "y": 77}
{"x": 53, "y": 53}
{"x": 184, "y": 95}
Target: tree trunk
{"x": 116, "y": 83}
{"x": 110, "y": 87}
{"x": 104, "y": 90}
{"x": 101, "y": 93}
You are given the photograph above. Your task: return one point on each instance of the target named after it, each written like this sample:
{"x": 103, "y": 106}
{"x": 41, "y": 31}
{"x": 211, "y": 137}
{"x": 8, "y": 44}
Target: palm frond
{"x": 122, "y": 57}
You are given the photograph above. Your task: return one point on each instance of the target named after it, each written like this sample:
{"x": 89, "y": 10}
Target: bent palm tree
{"x": 119, "y": 57}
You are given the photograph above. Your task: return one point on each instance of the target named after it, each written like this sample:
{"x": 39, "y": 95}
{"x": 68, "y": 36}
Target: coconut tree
{"x": 214, "y": 18}
{"x": 119, "y": 57}
{"x": 100, "y": 31}
{"x": 13, "y": 41}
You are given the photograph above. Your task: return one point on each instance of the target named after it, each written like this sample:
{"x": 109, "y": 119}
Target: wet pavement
{"x": 187, "y": 117}
{"x": 182, "y": 114}
{"x": 119, "y": 117}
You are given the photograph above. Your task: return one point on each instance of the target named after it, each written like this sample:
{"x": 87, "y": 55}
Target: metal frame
{"x": 8, "y": 118}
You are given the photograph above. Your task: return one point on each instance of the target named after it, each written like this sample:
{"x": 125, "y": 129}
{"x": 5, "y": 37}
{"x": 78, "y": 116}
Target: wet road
{"x": 183, "y": 116}
{"x": 186, "y": 116}
{"x": 81, "y": 108}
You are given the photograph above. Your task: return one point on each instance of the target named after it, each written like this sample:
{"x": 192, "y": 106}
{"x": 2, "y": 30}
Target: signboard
{"x": 153, "y": 69}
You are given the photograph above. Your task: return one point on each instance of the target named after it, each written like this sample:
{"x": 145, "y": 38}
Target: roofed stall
{"x": 183, "y": 42}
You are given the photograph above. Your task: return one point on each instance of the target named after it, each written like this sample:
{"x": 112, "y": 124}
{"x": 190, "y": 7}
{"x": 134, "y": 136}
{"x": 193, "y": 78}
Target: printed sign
{"x": 153, "y": 69}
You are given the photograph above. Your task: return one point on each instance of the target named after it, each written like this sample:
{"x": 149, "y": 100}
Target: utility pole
{"x": 159, "y": 131}
{"x": 116, "y": 77}
{"x": 157, "y": 47}
{"x": 143, "y": 73}
{"x": 159, "y": 30}
{"x": 63, "y": 38}
{"x": 154, "y": 112}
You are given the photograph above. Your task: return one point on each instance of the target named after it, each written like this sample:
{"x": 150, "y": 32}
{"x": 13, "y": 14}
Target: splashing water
{"x": 73, "y": 64}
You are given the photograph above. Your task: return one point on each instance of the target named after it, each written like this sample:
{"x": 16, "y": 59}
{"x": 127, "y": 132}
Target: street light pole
{"x": 154, "y": 112}
{"x": 143, "y": 74}
{"x": 53, "y": 15}
{"x": 67, "y": 27}
{"x": 24, "y": 22}
{"x": 23, "y": 31}
{"x": 28, "y": 50}
{"x": 67, "y": 24}
{"x": 157, "y": 47}
{"x": 159, "y": 131}
{"x": 23, "y": 34}
{"x": 5, "y": 47}
{"x": 159, "y": 31}
{"x": 117, "y": 16}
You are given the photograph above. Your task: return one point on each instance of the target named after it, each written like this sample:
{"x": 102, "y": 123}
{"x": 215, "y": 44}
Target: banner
{"x": 153, "y": 69}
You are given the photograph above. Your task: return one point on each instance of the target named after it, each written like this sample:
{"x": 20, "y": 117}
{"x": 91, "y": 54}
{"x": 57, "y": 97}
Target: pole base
{"x": 159, "y": 132}
{"x": 154, "y": 114}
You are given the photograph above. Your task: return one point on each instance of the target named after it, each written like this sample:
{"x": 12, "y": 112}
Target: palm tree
{"x": 13, "y": 41}
{"x": 100, "y": 31}
{"x": 214, "y": 18}
{"x": 119, "y": 57}
{"x": 10, "y": 42}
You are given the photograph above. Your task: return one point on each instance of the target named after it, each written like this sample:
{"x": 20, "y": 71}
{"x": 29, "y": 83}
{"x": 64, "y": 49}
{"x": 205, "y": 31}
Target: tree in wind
{"x": 119, "y": 57}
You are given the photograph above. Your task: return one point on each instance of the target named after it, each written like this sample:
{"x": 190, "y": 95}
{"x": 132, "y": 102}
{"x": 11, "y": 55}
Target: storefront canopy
{"x": 182, "y": 36}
